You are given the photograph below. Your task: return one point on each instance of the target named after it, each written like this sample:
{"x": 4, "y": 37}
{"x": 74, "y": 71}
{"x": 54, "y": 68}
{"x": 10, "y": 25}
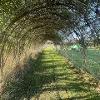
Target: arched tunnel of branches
{"x": 29, "y": 24}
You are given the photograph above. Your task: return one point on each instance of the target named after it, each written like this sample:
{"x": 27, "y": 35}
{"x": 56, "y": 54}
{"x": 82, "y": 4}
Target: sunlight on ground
{"x": 66, "y": 85}
{"x": 50, "y": 77}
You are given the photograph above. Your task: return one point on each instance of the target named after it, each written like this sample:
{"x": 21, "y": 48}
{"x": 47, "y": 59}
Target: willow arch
{"x": 25, "y": 22}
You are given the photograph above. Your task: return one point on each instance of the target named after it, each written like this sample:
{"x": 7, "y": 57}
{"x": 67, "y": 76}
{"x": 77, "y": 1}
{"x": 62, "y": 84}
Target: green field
{"x": 49, "y": 77}
{"x": 93, "y": 60}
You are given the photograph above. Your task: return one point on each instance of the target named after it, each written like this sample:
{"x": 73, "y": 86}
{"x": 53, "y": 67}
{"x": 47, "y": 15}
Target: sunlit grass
{"x": 50, "y": 77}
{"x": 66, "y": 80}
{"x": 92, "y": 64}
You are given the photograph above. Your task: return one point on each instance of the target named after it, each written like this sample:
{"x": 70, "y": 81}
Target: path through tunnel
{"x": 29, "y": 70}
{"x": 49, "y": 77}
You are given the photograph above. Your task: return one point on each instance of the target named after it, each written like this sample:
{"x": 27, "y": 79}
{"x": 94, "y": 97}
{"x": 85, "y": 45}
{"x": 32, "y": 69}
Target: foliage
{"x": 24, "y": 22}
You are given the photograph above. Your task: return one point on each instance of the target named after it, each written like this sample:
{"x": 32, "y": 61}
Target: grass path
{"x": 49, "y": 77}
{"x": 65, "y": 83}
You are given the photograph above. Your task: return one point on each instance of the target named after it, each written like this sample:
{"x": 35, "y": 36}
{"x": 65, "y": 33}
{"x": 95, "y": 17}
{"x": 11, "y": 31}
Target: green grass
{"x": 49, "y": 77}
{"x": 93, "y": 60}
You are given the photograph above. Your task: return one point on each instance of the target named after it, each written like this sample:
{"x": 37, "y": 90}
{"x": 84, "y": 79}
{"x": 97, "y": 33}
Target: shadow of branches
{"x": 36, "y": 75}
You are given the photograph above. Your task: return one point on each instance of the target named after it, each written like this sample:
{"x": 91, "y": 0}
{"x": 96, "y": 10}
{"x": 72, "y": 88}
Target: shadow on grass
{"x": 28, "y": 80}
{"x": 33, "y": 78}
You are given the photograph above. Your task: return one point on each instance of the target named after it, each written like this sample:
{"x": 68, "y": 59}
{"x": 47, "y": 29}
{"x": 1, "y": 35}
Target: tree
{"x": 27, "y": 22}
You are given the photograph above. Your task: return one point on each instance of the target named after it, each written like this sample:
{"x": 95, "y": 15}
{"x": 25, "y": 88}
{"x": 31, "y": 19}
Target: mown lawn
{"x": 50, "y": 77}
{"x": 93, "y": 60}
